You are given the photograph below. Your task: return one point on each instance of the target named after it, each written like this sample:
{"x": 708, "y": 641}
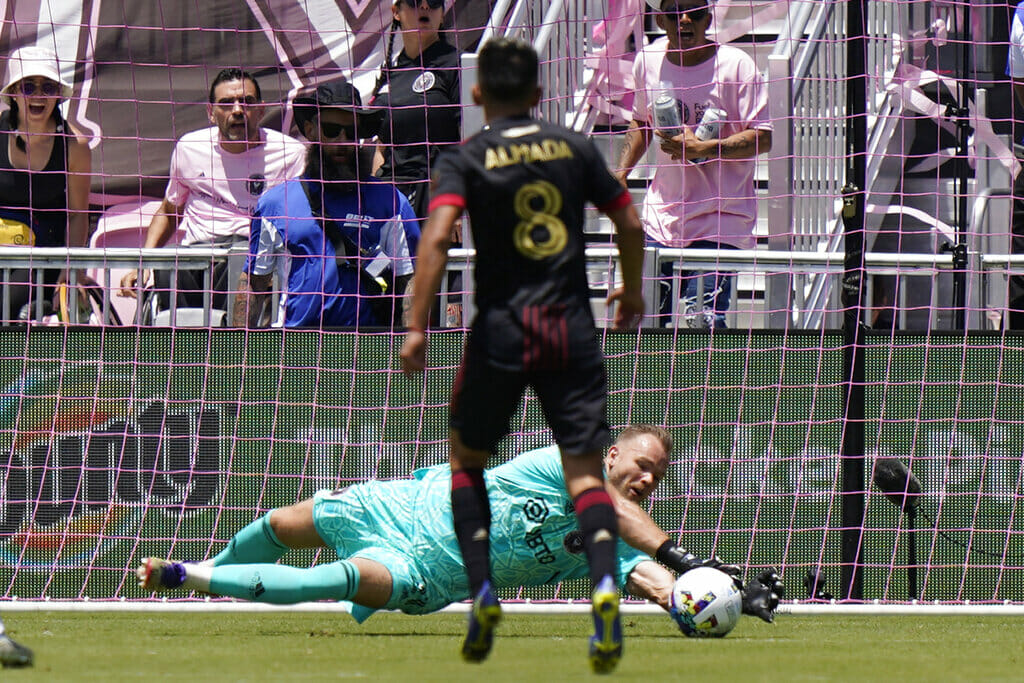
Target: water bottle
{"x": 709, "y": 128}
{"x": 666, "y": 113}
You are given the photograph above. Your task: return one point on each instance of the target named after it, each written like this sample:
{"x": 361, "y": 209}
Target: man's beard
{"x": 322, "y": 165}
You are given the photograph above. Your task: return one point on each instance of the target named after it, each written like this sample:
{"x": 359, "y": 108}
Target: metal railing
{"x": 796, "y": 268}
{"x": 76, "y": 260}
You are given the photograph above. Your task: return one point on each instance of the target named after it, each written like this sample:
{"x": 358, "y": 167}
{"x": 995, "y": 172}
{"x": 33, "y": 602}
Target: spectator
{"x": 216, "y": 175}
{"x": 341, "y": 241}
{"x": 420, "y": 98}
{"x": 1015, "y": 70}
{"x": 702, "y": 192}
{"x": 44, "y": 167}
{"x": 419, "y": 95}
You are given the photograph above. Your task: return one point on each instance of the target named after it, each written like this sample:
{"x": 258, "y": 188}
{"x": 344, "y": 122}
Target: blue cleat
{"x": 483, "y": 617}
{"x": 606, "y": 643}
{"x": 155, "y": 574}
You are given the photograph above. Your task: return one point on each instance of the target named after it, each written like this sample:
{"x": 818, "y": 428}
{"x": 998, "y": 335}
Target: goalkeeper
{"x": 398, "y": 549}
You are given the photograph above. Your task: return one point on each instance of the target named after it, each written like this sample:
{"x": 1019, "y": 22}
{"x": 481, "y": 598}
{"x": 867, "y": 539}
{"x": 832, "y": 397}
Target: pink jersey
{"x": 713, "y": 200}
{"x": 218, "y": 189}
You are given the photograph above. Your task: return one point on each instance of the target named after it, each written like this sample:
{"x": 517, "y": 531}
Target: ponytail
{"x": 385, "y": 67}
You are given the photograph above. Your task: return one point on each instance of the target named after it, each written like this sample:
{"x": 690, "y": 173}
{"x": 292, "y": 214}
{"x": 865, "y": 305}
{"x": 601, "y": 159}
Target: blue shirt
{"x": 288, "y": 239}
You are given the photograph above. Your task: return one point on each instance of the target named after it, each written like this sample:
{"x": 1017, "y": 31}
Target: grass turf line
{"x": 391, "y": 647}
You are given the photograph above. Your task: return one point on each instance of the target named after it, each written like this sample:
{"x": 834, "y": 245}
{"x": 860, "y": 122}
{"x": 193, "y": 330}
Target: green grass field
{"x": 284, "y": 646}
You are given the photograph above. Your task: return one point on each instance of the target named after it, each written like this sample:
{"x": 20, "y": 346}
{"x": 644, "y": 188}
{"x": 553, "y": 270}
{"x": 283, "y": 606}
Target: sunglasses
{"x": 694, "y": 13}
{"x": 432, "y": 4}
{"x": 46, "y": 88}
{"x": 333, "y": 130}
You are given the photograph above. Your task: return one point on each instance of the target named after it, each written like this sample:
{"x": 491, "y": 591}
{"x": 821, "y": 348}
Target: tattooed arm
{"x": 743, "y": 145}
{"x": 638, "y": 137}
{"x": 251, "y": 300}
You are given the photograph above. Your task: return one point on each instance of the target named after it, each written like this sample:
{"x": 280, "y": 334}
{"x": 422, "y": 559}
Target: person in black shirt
{"x": 524, "y": 184}
{"x": 419, "y": 95}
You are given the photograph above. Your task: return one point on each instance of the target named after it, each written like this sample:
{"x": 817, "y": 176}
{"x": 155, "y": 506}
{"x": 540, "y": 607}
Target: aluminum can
{"x": 666, "y": 115}
{"x": 710, "y": 127}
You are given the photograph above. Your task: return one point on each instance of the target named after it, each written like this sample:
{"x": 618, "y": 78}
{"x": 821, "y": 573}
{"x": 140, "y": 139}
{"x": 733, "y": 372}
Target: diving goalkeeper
{"x": 399, "y": 550}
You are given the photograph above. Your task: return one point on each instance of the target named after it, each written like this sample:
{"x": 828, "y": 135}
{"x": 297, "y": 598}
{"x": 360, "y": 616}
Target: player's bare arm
{"x": 431, "y": 260}
{"x": 651, "y": 581}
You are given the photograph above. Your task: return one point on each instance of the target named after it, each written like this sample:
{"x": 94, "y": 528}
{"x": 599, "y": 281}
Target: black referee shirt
{"x": 421, "y": 102}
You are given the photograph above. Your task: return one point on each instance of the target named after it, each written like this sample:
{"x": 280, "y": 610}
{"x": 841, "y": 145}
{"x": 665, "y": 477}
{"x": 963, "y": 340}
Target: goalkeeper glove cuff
{"x": 678, "y": 560}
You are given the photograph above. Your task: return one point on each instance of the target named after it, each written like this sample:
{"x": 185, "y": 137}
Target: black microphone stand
{"x": 911, "y": 514}
{"x": 902, "y": 488}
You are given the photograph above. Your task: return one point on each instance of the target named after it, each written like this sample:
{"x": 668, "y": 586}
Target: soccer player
{"x": 524, "y": 184}
{"x": 397, "y": 547}
{"x": 12, "y": 653}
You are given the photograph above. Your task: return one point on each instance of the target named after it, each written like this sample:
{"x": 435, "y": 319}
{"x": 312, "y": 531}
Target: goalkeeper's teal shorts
{"x": 374, "y": 521}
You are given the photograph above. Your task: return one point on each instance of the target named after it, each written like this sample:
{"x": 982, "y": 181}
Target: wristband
{"x": 677, "y": 559}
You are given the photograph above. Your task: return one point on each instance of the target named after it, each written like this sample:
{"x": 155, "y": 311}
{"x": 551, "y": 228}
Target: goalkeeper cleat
{"x": 160, "y": 575}
{"x": 13, "y": 654}
{"x": 484, "y": 616}
{"x": 606, "y": 643}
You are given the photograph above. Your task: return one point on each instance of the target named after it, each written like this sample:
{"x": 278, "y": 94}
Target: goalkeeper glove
{"x": 761, "y": 596}
{"x": 681, "y": 561}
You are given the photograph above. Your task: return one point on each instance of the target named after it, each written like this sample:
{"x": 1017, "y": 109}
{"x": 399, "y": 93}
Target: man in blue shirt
{"x": 397, "y": 546}
{"x": 340, "y": 241}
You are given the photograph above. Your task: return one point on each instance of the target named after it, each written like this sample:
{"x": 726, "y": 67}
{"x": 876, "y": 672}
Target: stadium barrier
{"x": 102, "y": 261}
{"x": 122, "y": 443}
{"x": 790, "y": 271}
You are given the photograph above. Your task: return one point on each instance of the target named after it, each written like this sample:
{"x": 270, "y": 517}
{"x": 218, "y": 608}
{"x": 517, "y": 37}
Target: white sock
{"x": 197, "y": 577}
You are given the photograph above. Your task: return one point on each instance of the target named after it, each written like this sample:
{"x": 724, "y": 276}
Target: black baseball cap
{"x": 338, "y": 95}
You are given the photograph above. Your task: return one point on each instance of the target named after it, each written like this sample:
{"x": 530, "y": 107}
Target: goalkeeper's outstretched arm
{"x": 651, "y": 581}
{"x": 640, "y": 531}
{"x": 761, "y": 595}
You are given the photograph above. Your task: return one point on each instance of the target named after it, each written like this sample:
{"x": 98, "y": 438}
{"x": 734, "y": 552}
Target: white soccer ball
{"x": 705, "y": 603}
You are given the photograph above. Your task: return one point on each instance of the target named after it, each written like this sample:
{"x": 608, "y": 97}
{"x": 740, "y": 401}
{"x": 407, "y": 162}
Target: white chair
{"x": 123, "y": 225}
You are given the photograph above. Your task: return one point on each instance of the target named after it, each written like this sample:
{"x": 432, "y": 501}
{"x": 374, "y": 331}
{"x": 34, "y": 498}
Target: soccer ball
{"x": 705, "y": 603}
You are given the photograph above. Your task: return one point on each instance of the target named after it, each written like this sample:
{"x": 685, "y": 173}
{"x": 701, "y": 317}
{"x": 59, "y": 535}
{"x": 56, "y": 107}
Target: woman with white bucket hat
{"x": 45, "y": 166}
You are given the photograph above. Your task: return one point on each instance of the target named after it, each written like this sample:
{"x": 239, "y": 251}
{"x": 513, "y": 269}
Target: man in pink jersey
{"x": 216, "y": 176}
{"x": 702, "y": 192}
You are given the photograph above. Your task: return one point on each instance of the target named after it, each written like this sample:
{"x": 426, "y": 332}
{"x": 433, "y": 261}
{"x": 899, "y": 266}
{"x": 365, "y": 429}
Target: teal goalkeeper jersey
{"x": 535, "y": 538}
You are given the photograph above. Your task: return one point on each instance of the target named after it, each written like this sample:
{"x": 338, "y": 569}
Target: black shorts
{"x": 574, "y": 401}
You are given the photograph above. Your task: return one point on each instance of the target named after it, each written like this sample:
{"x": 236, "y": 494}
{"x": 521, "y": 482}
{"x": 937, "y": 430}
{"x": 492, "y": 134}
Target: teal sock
{"x": 255, "y": 544}
{"x": 283, "y": 585}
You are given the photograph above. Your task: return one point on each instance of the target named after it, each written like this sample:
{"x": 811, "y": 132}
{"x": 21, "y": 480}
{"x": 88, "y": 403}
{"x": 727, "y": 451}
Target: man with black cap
{"x": 340, "y": 241}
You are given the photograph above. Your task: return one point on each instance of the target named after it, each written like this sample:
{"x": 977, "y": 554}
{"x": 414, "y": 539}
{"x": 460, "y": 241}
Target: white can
{"x": 710, "y": 127}
{"x": 666, "y": 115}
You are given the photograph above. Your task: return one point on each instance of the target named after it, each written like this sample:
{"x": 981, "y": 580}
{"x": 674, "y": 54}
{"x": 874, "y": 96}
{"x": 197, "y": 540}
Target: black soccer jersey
{"x": 524, "y": 184}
